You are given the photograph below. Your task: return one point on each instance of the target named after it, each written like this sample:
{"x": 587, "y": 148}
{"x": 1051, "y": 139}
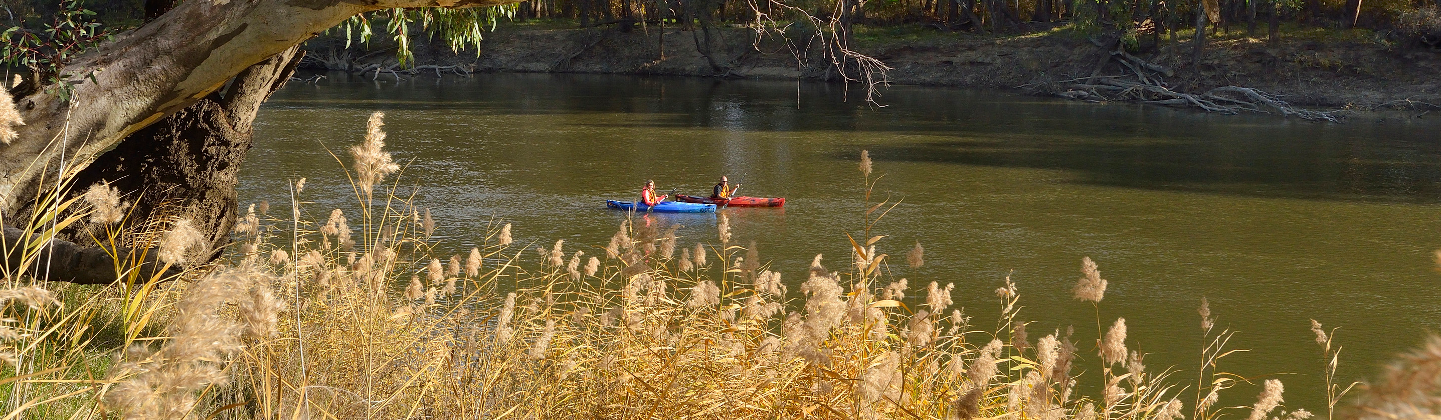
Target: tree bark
{"x": 1353, "y": 13}
{"x": 1199, "y": 43}
{"x": 146, "y": 74}
{"x": 1274, "y": 25}
{"x": 1251, "y": 18}
{"x": 1043, "y": 11}
{"x": 143, "y": 114}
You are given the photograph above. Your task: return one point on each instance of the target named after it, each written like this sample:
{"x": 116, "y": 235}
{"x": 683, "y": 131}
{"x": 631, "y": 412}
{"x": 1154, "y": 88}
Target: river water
{"x": 1275, "y": 221}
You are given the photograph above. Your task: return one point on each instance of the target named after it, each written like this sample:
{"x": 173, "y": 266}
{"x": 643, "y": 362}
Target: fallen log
{"x": 58, "y": 260}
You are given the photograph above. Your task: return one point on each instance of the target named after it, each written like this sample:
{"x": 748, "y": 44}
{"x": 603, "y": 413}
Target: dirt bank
{"x": 1309, "y": 67}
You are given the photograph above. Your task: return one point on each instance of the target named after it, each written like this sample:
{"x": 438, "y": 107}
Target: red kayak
{"x": 734, "y": 201}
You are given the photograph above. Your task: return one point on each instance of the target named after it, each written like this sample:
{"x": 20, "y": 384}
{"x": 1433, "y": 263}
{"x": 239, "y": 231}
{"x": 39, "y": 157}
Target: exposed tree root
{"x": 70, "y": 262}
{"x": 1149, "y": 86}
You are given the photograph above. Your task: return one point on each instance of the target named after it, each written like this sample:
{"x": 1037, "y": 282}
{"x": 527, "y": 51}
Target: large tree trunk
{"x": 185, "y": 166}
{"x": 123, "y": 122}
{"x": 1043, "y": 11}
{"x": 146, "y": 74}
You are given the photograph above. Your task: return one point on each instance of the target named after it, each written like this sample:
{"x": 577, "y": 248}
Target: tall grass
{"x": 322, "y": 319}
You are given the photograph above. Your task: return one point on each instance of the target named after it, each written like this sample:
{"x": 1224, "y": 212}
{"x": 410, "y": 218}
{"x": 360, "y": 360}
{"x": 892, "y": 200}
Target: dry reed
{"x": 642, "y": 333}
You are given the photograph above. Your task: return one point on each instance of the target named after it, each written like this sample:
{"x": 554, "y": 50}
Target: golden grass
{"x": 316, "y": 320}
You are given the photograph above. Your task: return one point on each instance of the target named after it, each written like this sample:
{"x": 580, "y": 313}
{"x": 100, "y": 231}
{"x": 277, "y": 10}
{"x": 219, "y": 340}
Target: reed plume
{"x": 504, "y": 237}
{"x": 1269, "y": 399}
{"x": 685, "y": 264}
{"x": 556, "y": 257}
{"x": 1205, "y": 310}
{"x": 1410, "y": 386}
{"x": 166, "y": 384}
{"x": 866, "y": 163}
{"x": 939, "y": 298}
{"x": 415, "y": 290}
{"x": 472, "y": 263}
{"x": 723, "y": 228}
{"x": 105, "y": 205}
{"x": 427, "y": 224}
{"x": 249, "y": 224}
{"x": 894, "y": 291}
{"x": 9, "y": 117}
{"x": 916, "y": 258}
{"x": 1091, "y": 288}
{"x": 573, "y": 267}
{"x": 435, "y": 273}
{"x": 592, "y": 266}
{"x": 1113, "y": 347}
{"x": 372, "y": 162}
{"x": 336, "y": 227}
{"x": 182, "y": 241}
{"x": 704, "y": 294}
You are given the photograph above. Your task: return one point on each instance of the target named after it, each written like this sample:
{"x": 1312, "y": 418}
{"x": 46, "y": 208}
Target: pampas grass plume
{"x": 1113, "y": 347}
{"x": 372, "y": 162}
{"x": 428, "y": 224}
{"x": 1269, "y": 399}
{"x": 1205, "y": 310}
{"x": 591, "y": 266}
{"x": 177, "y": 244}
{"x": 9, "y": 118}
{"x": 557, "y": 254}
{"x": 415, "y": 290}
{"x": 1092, "y": 287}
{"x": 1320, "y": 333}
{"x": 916, "y": 258}
{"x": 704, "y": 294}
{"x": 472, "y": 263}
{"x": 106, "y": 207}
{"x": 434, "y": 272}
{"x": 504, "y": 237}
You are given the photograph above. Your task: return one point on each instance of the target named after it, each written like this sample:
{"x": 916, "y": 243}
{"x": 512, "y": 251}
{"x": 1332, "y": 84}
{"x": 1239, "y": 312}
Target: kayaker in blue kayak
{"x": 647, "y": 194}
{"x": 723, "y": 190}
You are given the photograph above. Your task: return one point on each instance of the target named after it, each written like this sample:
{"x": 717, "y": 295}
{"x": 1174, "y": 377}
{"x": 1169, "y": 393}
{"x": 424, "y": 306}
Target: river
{"x": 1275, "y": 221}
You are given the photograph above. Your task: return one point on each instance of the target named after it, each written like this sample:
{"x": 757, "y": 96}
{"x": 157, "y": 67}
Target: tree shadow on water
{"x": 1324, "y": 169}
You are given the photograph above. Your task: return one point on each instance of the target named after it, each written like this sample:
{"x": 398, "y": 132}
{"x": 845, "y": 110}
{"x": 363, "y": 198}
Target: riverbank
{"x": 1351, "y": 70}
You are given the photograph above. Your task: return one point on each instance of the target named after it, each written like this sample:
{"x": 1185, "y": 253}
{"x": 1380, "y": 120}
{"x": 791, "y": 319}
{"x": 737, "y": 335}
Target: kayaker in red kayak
{"x": 723, "y": 190}
{"x": 647, "y": 194}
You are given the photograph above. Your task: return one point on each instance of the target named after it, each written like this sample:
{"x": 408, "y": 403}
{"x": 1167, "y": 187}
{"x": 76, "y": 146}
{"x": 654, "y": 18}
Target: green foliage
{"x": 461, "y": 28}
{"x": 1419, "y": 27}
{"x": 72, "y": 30}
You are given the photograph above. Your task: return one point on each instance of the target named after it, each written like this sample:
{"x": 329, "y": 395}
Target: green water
{"x": 1275, "y": 221}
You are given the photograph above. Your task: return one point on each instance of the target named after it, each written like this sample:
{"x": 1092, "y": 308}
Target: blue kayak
{"x": 662, "y": 207}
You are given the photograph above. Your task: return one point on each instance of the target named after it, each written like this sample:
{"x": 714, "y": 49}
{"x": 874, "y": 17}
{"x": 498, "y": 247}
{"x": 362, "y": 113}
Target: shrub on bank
{"x": 1419, "y": 27}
